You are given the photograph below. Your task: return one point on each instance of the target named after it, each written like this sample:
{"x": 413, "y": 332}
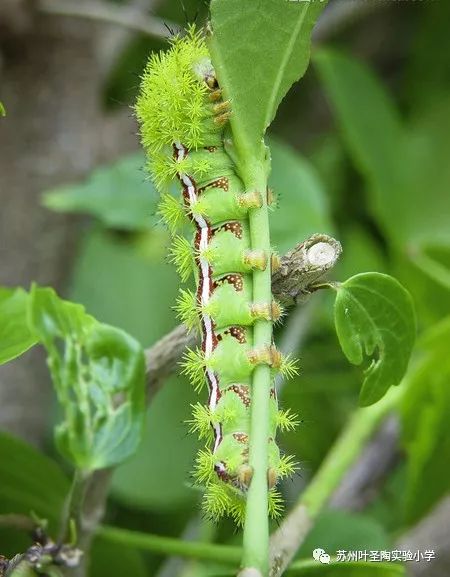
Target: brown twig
{"x": 101, "y": 11}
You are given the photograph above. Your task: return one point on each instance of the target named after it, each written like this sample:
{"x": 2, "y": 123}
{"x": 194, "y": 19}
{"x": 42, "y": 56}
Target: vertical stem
{"x": 256, "y": 530}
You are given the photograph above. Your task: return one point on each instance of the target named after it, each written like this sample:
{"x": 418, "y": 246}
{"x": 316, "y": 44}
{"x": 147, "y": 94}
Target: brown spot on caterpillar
{"x": 250, "y": 200}
{"x": 240, "y": 437}
{"x": 234, "y": 279}
{"x": 255, "y": 259}
{"x": 266, "y": 311}
{"x": 275, "y": 262}
{"x": 222, "y": 107}
{"x": 210, "y": 148}
{"x": 221, "y": 469}
{"x": 265, "y": 356}
{"x": 245, "y": 475}
{"x": 222, "y": 119}
{"x": 233, "y": 226}
{"x": 215, "y": 95}
{"x": 238, "y": 333}
{"x": 242, "y": 391}
{"x": 271, "y": 477}
{"x": 221, "y": 182}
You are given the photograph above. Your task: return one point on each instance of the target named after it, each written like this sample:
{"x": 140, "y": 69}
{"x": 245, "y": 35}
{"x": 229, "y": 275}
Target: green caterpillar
{"x": 183, "y": 120}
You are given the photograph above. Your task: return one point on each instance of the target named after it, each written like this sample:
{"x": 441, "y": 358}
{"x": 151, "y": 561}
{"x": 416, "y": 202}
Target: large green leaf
{"x": 259, "y": 49}
{"x": 374, "y": 316}
{"x": 297, "y": 183}
{"x": 406, "y": 168}
{"x": 119, "y": 195}
{"x": 99, "y": 375}
{"x": 15, "y": 336}
{"x": 425, "y": 419}
{"x": 29, "y": 481}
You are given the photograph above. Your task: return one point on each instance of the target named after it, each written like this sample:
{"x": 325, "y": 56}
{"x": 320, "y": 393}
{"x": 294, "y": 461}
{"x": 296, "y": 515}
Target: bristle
{"x": 217, "y": 501}
{"x": 171, "y": 212}
{"x": 287, "y": 420}
{"x": 289, "y": 367}
{"x": 180, "y": 254}
{"x": 204, "y": 466}
{"x": 201, "y": 422}
{"x": 193, "y": 366}
{"x": 287, "y": 466}
{"x": 187, "y": 309}
{"x": 276, "y": 505}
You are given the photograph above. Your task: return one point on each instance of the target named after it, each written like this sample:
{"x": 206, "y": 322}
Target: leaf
{"x": 30, "y": 481}
{"x": 399, "y": 162}
{"x": 374, "y": 316}
{"x": 297, "y": 183}
{"x": 425, "y": 411}
{"x": 340, "y": 530}
{"x": 15, "y": 335}
{"x": 125, "y": 560}
{"x": 99, "y": 375}
{"x": 259, "y": 49}
{"x": 118, "y": 195}
{"x": 2, "y": 109}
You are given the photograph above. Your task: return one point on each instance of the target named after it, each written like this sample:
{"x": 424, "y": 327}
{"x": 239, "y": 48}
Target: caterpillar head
{"x": 177, "y": 102}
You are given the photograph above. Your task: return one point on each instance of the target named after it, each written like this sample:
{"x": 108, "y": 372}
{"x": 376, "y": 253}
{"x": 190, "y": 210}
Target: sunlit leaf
{"x": 259, "y": 50}
{"x": 374, "y": 316}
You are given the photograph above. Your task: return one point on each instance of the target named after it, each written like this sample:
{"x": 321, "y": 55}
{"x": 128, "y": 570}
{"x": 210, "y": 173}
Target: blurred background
{"x": 360, "y": 149}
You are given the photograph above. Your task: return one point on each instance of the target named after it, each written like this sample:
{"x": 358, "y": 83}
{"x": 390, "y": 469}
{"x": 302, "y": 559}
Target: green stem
{"x": 74, "y": 505}
{"x": 171, "y": 546}
{"x": 345, "y": 451}
{"x": 256, "y": 529}
{"x": 350, "y": 444}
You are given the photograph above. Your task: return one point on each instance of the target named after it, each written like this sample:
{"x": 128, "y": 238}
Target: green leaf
{"x": 2, "y": 109}
{"x": 399, "y": 162}
{"x": 298, "y": 184}
{"x": 118, "y": 195}
{"x": 374, "y": 316}
{"x": 125, "y": 560}
{"x": 30, "y": 481}
{"x": 15, "y": 335}
{"x": 99, "y": 375}
{"x": 425, "y": 411}
{"x": 259, "y": 49}
{"x": 340, "y": 530}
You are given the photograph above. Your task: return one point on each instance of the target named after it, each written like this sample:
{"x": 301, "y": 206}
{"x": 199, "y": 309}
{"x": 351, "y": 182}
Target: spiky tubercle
{"x": 182, "y": 117}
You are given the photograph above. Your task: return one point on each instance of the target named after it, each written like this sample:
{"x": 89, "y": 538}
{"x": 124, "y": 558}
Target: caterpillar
{"x": 184, "y": 130}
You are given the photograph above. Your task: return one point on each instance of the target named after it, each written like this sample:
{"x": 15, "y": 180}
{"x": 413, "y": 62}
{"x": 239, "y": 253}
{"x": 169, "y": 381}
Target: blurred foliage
{"x": 375, "y": 174}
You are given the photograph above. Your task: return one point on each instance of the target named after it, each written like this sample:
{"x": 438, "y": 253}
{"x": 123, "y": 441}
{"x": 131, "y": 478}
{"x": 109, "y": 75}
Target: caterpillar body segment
{"x": 183, "y": 117}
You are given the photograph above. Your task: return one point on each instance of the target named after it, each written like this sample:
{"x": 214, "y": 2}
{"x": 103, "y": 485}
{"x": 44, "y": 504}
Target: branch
{"x": 311, "y": 258}
{"x": 101, "y": 11}
{"x": 352, "y": 441}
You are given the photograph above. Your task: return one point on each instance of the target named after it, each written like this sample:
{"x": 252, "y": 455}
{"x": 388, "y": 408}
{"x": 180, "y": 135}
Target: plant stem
{"x": 171, "y": 546}
{"x": 256, "y": 529}
{"x": 74, "y": 504}
{"x": 289, "y": 536}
